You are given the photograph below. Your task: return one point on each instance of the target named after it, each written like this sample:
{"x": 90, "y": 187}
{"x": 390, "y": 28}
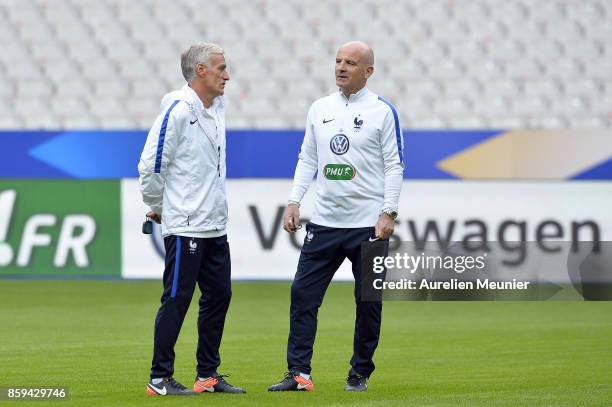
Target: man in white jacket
{"x": 354, "y": 144}
{"x": 182, "y": 180}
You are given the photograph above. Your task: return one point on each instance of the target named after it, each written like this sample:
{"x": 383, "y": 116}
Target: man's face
{"x": 352, "y": 72}
{"x": 215, "y": 75}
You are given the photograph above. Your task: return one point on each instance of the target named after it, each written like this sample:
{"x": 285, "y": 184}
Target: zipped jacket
{"x": 355, "y": 147}
{"x": 182, "y": 166}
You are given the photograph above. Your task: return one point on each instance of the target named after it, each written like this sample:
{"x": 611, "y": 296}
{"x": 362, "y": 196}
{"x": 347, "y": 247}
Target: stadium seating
{"x": 444, "y": 63}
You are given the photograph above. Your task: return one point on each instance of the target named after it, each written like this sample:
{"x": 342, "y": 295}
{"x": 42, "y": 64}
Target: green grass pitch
{"x": 95, "y": 337}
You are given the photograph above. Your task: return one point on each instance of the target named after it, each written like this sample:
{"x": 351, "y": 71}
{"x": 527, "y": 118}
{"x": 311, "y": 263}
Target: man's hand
{"x": 384, "y": 227}
{"x": 154, "y": 217}
{"x": 291, "y": 219}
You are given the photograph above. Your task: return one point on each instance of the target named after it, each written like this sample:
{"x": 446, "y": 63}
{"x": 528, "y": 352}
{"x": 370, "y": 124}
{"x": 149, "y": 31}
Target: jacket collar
{"x": 193, "y": 98}
{"x": 354, "y": 96}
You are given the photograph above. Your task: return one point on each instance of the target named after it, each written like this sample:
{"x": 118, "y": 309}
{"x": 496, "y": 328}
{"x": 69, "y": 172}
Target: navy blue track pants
{"x": 190, "y": 261}
{"x": 323, "y": 252}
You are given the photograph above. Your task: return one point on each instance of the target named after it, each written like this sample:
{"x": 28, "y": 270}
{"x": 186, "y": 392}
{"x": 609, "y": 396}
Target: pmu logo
{"x": 77, "y": 231}
{"x": 339, "y": 144}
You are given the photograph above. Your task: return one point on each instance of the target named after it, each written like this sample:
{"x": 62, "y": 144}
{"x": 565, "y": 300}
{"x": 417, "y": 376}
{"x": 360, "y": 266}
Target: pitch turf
{"x": 95, "y": 337}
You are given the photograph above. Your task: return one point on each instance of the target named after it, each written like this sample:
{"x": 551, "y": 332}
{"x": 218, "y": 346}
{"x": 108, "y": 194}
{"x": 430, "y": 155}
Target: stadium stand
{"x": 445, "y": 64}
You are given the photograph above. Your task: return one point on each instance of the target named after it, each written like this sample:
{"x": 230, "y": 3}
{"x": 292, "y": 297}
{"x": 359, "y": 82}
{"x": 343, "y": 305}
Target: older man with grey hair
{"x": 182, "y": 180}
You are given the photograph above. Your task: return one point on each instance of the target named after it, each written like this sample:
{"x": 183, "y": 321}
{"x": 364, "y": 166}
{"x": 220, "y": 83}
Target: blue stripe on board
{"x": 602, "y": 170}
{"x": 250, "y": 154}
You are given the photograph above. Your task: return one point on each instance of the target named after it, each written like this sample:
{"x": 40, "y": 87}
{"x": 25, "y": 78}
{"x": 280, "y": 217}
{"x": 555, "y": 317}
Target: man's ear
{"x": 369, "y": 71}
{"x": 201, "y": 70}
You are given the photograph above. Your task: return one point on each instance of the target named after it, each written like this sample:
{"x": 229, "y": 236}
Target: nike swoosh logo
{"x": 161, "y": 391}
{"x": 301, "y": 386}
{"x": 206, "y": 384}
{"x": 373, "y": 240}
{"x": 193, "y": 122}
{"x": 327, "y": 121}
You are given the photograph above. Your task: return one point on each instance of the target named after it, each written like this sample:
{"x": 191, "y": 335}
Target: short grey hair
{"x": 197, "y": 54}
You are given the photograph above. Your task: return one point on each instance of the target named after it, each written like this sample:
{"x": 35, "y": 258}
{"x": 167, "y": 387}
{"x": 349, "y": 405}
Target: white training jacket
{"x": 182, "y": 166}
{"x": 355, "y": 146}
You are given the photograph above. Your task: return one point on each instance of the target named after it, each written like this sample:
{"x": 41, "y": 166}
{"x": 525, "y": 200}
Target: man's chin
{"x": 341, "y": 85}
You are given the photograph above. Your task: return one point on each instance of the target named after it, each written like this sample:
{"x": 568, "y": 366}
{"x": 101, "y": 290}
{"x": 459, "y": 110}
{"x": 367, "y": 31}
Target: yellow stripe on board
{"x": 532, "y": 154}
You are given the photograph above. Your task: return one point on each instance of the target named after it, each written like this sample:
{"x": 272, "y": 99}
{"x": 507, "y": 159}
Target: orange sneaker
{"x": 293, "y": 381}
{"x": 215, "y": 383}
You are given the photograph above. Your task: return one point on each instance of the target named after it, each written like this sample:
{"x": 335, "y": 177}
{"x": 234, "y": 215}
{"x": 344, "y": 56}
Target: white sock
{"x": 156, "y": 381}
{"x": 305, "y": 376}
